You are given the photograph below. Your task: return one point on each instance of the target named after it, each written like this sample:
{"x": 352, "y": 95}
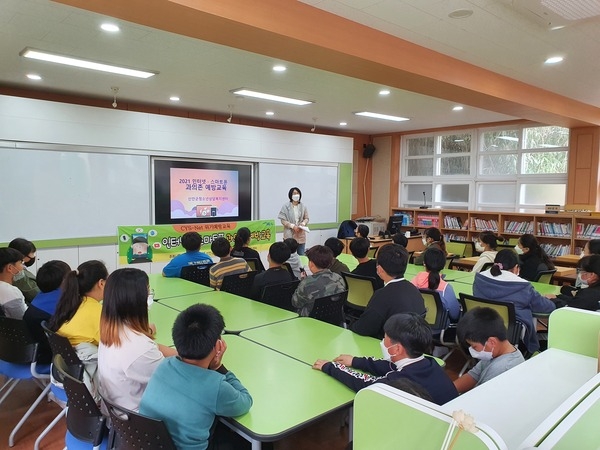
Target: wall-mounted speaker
{"x": 368, "y": 150}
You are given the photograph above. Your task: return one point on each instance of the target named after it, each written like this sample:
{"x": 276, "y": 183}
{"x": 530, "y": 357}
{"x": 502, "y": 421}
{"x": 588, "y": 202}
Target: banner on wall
{"x": 161, "y": 243}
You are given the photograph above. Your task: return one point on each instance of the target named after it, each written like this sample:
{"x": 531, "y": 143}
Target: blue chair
{"x": 18, "y": 353}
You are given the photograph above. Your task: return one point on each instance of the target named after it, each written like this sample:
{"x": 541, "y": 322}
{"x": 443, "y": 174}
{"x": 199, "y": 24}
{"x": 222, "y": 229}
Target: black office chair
{"x": 438, "y": 318}
{"x": 487, "y": 266}
{"x": 280, "y": 295}
{"x": 85, "y": 422}
{"x": 330, "y": 309}
{"x": 239, "y": 283}
{"x": 545, "y": 276}
{"x": 134, "y": 431}
{"x": 255, "y": 264}
{"x": 197, "y": 274}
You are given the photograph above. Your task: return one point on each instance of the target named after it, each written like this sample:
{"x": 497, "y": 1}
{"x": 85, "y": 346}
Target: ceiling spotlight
{"x": 554, "y": 60}
{"x": 174, "y": 98}
{"x": 343, "y": 124}
{"x": 279, "y": 68}
{"x": 461, "y": 13}
{"x": 384, "y": 92}
{"x": 458, "y": 108}
{"x": 110, "y": 27}
{"x": 33, "y": 76}
{"x": 270, "y": 113}
{"x": 115, "y": 91}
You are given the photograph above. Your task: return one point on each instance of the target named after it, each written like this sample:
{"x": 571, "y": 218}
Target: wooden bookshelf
{"x": 559, "y": 234}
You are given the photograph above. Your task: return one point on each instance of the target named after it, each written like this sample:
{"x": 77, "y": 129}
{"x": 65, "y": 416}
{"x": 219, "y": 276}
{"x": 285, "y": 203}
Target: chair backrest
{"x": 239, "y": 283}
{"x": 436, "y": 315}
{"x": 458, "y": 248}
{"x": 360, "y": 289}
{"x": 288, "y": 267}
{"x": 60, "y": 345}
{"x": 134, "y": 431}
{"x": 84, "y": 419}
{"x": 197, "y": 274}
{"x": 372, "y": 252}
{"x": 469, "y": 248}
{"x": 505, "y": 309}
{"x": 16, "y": 344}
{"x": 449, "y": 262}
{"x": 280, "y": 295}
{"x": 545, "y": 276}
{"x": 487, "y": 266}
{"x": 330, "y": 309}
{"x": 255, "y": 264}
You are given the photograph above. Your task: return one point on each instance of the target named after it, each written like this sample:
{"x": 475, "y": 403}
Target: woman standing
{"x": 127, "y": 355}
{"x": 294, "y": 215}
{"x": 486, "y": 244}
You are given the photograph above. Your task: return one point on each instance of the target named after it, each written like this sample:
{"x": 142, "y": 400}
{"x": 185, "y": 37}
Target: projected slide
{"x": 203, "y": 193}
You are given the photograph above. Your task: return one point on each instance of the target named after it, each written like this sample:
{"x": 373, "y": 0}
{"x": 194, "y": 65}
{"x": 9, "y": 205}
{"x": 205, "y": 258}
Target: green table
{"x": 163, "y": 317}
{"x": 287, "y": 394}
{"x": 239, "y": 313}
{"x": 466, "y": 287}
{"x": 307, "y": 340}
{"x": 174, "y": 287}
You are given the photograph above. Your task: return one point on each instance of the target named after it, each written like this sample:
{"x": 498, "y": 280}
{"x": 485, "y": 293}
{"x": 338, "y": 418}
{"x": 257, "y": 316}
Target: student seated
{"x": 484, "y": 331}
{"x": 276, "y": 274}
{"x": 26, "y": 281}
{"x": 583, "y": 298}
{"x": 192, "y": 242}
{"x": 502, "y": 283}
{"x": 294, "y": 259}
{"x": 367, "y": 267}
{"x": 486, "y": 245}
{"x": 127, "y": 355}
{"x": 397, "y": 296}
{"x": 407, "y": 337}
{"x": 362, "y": 231}
{"x": 336, "y": 246}
{"x": 241, "y": 248}
{"x": 321, "y": 283}
{"x": 432, "y": 238}
{"x": 189, "y": 391}
{"x": 400, "y": 239}
{"x": 532, "y": 257}
{"x": 49, "y": 278}
{"x": 434, "y": 262}
{"x": 12, "y": 301}
{"x": 227, "y": 265}
{"x": 591, "y": 247}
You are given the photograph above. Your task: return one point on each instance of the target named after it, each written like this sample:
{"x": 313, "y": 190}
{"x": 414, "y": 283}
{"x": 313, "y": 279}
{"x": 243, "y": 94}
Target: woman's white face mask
{"x": 519, "y": 250}
{"x": 296, "y": 197}
{"x": 479, "y": 247}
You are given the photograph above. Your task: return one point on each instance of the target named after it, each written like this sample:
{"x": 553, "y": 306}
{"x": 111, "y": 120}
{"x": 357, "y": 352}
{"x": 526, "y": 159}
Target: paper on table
{"x": 304, "y": 228}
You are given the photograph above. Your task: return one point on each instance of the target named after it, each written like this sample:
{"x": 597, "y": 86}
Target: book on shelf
{"x": 555, "y": 229}
{"x": 428, "y": 221}
{"x": 588, "y": 231}
{"x": 554, "y": 250}
{"x": 518, "y": 227}
{"x": 484, "y": 224}
{"x": 453, "y": 222}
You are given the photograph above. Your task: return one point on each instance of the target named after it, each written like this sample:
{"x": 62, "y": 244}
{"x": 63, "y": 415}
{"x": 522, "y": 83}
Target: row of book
{"x": 428, "y": 221}
{"x": 453, "y": 222}
{"x": 555, "y": 229}
{"x": 554, "y": 250}
{"x": 407, "y": 219}
{"x": 589, "y": 231}
{"x": 518, "y": 227}
{"x": 484, "y": 225}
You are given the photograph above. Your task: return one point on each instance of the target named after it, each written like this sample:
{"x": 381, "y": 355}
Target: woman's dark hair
{"x": 125, "y": 304}
{"x": 434, "y": 260}
{"x": 292, "y": 190}
{"x": 505, "y": 259}
{"x": 529, "y": 241}
{"x": 75, "y": 285}
{"x": 490, "y": 238}
{"x": 23, "y": 245}
{"x": 590, "y": 264}
{"x": 437, "y": 236}
{"x": 594, "y": 246}
{"x": 242, "y": 237}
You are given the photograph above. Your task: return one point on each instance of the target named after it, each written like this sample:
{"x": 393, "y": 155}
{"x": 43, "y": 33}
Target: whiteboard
{"x": 319, "y": 186}
{"x": 63, "y": 194}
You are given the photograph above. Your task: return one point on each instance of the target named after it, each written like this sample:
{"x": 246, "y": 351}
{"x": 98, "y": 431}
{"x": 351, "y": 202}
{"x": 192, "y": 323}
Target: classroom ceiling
{"x": 509, "y": 37}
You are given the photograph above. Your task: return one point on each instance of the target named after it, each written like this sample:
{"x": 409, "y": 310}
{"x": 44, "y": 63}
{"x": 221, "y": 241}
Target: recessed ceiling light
{"x": 174, "y": 98}
{"x": 461, "y": 13}
{"x": 380, "y": 116}
{"x": 458, "y": 108}
{"x": 33, "y": 76}
{"x": 110, "y": 27}
{"x": 83, "y": 63}
{"x": 242, "y": 92}
{"x": 554, "y": 60}
{"x": 384, "y": 92}
{"x": 270, "y": 113}
{"x": 279, "y": 68}
{"x": 343, "y": 124}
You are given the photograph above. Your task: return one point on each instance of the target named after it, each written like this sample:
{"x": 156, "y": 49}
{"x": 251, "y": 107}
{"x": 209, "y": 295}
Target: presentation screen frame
{"x": 236, "y": 180}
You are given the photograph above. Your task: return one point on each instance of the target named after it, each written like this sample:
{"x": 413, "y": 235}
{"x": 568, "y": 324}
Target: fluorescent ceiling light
{"x": 509, "y": 138}
{"x": 279, "y": 68}
{"x": 457, "y": 108}
{"x": 174, "y": 98}
{"x": 274, "y": 98}
{"x": 110, "y": 27}
{"x": 384, "y": 92}
{"x": 33, "y": 76}
{"x": 84, "y": 64}
{"x": 380, "y": 116}
{"x": 554, "y": 60}
{"x": 270, "y": 113}
{"x": 343, "y": 124}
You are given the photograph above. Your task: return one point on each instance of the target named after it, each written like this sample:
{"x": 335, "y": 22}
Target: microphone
{"x": 424, "y": 202}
